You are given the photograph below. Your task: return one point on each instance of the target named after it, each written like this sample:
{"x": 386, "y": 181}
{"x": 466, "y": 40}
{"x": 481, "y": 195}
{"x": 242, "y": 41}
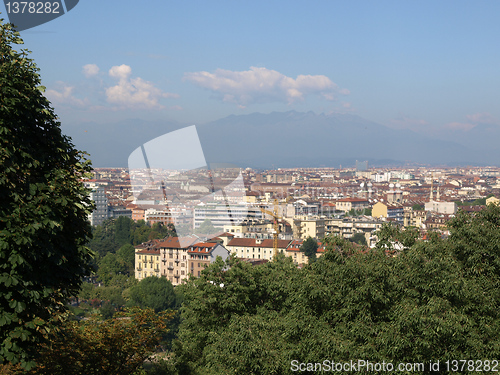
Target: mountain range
{"x": 295, "y": 139}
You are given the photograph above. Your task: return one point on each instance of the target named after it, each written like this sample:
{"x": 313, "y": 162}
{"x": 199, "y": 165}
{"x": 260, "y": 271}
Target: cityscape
{"x": 289, "y": 204}
{"x": 265, "y": 188}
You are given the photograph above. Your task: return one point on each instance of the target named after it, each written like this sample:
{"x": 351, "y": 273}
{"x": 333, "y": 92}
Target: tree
{"x": 43, "y": 208}
{"x": 309, "y": 248}
{"x": 358, "y": 238}
{"x": 126, "y": 256}
{"x": 435, "y": 299}
{"x": 110, "y": 266}
{"x": 207, "y": 228}
{"x": 114, "y": 346}
{"x": 153, "y": 292}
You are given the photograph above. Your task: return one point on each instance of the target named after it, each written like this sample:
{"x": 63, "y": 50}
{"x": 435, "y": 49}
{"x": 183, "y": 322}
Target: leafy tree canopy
{"x": 207, "y": 228}
{"x": 113, "y": 346}
{"x": 153, "y": 292}
{"x": 417, "y": 207}
{"x": 358, "y": 238}
{"x": 43, "y": 208}
{"x": 309, "y": 248}
{"x": 427, "y": 302}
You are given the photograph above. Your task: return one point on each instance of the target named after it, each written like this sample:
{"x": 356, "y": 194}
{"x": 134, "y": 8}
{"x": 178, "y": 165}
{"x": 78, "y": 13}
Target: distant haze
{"x": 294, "y": 139}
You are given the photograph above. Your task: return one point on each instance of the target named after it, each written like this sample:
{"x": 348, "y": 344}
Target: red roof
{"x": 352, "y": 200}
{"x": 296, "y": 244}
{"x": 252, "y": 242}
{"x": 177, "y": 242}
{"x": 151, "y": 251}
{"x": 202, "y": 247}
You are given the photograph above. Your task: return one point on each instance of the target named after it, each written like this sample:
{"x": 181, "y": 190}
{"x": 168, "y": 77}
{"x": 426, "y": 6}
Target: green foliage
{"x": 391, "y": 237}
{"x": 417, "y": 207}
{"x": 431, "y": 301}
{"x": 126, "y": 256}
{"x": 110, "y": 266}
{"x": 477, "y": 202}
{"x": 113, "y": 234}
{"x": 114, "y": 346}
{"x": 43, "y": 208}
{"x": 354, "y": 212}
{"x": 309, "y": 248}
{"x": 153, "y": 292}
{"x": 358, "y": 238}
{"x": 207, "y": 228}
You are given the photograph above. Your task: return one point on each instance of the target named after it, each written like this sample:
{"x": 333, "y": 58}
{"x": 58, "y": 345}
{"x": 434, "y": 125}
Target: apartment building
{"x": 388, "y": 211}
{"x": 253, "y": 248}
{"x": 202, "y": 254}
{"x": 348, "y": 204}
{"x": 415, "y": 218}
{"x": 100, "y": 213}
{"x": 446, "y": 208}
{"x": 221, "y": 215}
{"x": 147, "y": 260}
{"x": 308, "y": 226}
{"x": 174, "y": 255}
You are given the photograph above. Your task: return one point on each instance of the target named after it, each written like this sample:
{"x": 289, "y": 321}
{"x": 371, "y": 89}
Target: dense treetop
{"x": 433, "y": 300}
{"x": 43, "y": 208}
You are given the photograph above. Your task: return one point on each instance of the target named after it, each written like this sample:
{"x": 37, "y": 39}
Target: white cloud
{"x": 65, "y": 96}
{"x": 264, "y": 85}
{"x": 134, "y": 93}
{"x": 121, "y": 71}
{"x": 473, "y": 121}
{"x": 90, "y": 70}
{"x": 459, "y": 126}
{"x": 482, "y": 118}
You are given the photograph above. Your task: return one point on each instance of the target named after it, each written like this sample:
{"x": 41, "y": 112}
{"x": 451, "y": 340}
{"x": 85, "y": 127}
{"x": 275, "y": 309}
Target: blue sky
{"x": 422, "y": 65}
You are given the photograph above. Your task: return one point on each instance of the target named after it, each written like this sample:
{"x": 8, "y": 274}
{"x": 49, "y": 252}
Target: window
{"x": 182, "y": 272}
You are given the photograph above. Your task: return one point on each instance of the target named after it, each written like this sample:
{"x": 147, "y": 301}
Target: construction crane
{"x": 275, "y": 216}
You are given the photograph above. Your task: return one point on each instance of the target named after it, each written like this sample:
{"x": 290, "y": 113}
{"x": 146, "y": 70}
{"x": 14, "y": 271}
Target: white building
{"x": 447, "y": 208}
{"x": 222, "y": 215}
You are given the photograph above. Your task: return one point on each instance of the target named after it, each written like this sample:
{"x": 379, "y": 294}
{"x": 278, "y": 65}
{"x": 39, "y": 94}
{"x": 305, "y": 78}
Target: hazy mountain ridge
{"x": 290, "y": 139}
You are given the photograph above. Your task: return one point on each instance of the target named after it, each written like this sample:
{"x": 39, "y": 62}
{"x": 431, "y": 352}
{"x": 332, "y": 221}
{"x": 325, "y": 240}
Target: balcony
{"x": 177, "y": 260}
{"x": 139, "y": 268}
{"x": 176, "y": 276}
{"x": 170, "y": 267}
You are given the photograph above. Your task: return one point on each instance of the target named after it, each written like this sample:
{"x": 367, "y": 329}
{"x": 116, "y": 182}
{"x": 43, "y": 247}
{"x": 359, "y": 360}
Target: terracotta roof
{"x": 252, "y": 242}
{"x": 151, "y": 251}
{"x": 352, "y": 200}
{"x": 202, "y": 247}
{"x": 225, "y": 234}
{"x": 177, "y": 242}
{"x": 296, "y": 244}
